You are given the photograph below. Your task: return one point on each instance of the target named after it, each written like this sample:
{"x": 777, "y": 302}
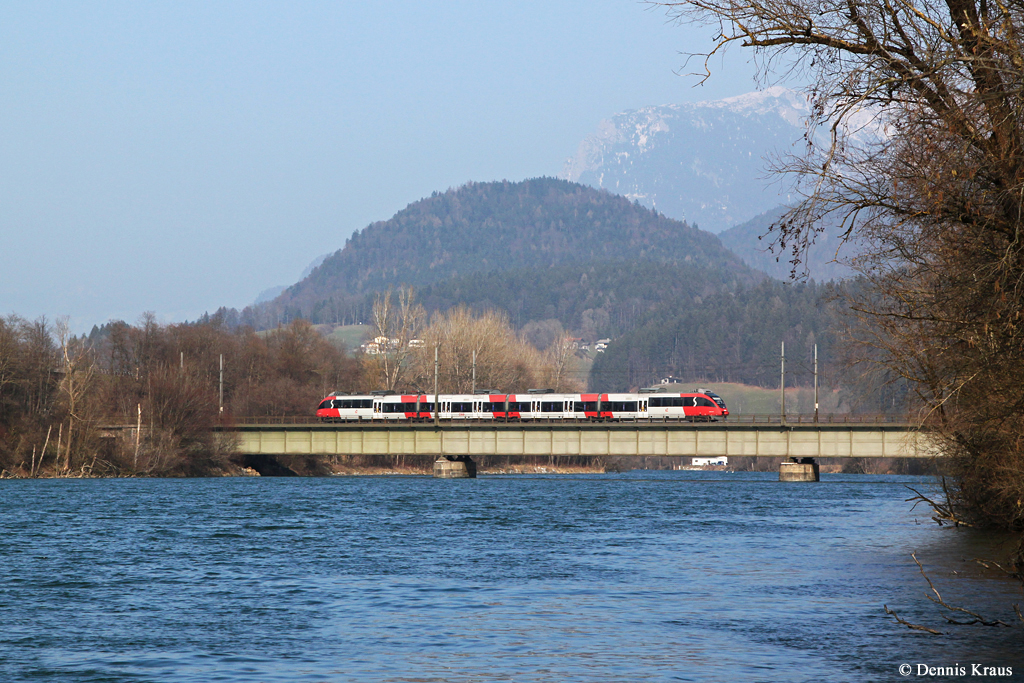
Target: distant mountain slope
{"x": 486, "y": 227}
{"x": 731, "y": 338}
{"x": 820, "y": 264}
{"x": 704, "y": 163}
{"x": 597, "y": 299}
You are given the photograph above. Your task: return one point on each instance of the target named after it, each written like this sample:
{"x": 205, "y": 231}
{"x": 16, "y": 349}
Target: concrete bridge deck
{"x": 823, "y": 439}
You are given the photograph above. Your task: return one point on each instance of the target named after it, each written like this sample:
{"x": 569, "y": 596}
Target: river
{"x": 642, "y": 576}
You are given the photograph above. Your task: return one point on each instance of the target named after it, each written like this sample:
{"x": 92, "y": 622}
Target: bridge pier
{"x": 799, "y": 469}
{"x": 455, "y": 467}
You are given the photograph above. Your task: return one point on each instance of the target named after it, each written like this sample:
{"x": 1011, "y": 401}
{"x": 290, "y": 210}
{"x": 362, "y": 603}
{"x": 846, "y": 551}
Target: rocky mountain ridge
{"x": 705, "y": 163}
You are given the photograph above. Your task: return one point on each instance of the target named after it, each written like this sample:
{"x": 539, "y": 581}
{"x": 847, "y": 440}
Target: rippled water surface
{"x": 674, "y": 576}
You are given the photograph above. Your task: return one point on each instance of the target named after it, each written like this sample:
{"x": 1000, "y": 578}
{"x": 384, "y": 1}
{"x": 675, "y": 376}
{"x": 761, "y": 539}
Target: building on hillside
{"x": 380, "y": 345}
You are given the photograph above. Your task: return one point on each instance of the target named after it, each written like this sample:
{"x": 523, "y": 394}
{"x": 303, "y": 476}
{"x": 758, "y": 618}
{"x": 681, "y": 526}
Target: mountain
{"x": 541, "y": 223}
{"x": 560, "y": 256}
{"x": 733, "y": 337}
{"x": 704, "y": 163}
{"x": 272, "y": 293}
{"x": 593, "y": 300}
{"x": 751, "y": 242}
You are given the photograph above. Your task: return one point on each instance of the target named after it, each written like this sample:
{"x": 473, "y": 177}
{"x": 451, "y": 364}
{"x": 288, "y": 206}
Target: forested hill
{"x": 732, "y": 337}
{"x": 497, "y": 226}
{"x": 751, "y": 241}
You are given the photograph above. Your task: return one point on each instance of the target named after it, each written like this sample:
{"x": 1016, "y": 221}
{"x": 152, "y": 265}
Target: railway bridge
{"x": 797, "y": 437}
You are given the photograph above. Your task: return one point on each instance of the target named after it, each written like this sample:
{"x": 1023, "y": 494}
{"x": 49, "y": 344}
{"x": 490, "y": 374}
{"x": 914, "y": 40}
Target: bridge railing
{"x": 791, "y": 418}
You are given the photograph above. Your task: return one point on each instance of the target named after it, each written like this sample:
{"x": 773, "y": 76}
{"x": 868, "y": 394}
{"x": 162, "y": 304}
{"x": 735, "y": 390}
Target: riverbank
{"x": 239, "y": 465}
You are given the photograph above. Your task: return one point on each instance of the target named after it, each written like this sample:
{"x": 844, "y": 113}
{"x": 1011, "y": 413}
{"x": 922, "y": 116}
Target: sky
{"x": 175, "y": 157}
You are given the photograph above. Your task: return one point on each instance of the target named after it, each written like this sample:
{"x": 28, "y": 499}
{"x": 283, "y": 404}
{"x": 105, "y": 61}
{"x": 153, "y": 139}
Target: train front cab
{"x": 326, "y": 412}
{"x": 693, "y": 407}
{"x": 344, "y": 408}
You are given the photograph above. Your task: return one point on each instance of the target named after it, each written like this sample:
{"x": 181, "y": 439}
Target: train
{"x": 700, "y": 405}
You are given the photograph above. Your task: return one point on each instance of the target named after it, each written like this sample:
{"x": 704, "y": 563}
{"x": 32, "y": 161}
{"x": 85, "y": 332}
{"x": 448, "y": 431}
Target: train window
{"x": 426, "y": 407}
{"x": 493, "y": 407}
{"x": 409, "y": 407}
{"x": 550, "y": 407}
{"x": 517, "y": 407}
{"x": 323, "y": 406}
{"x": 585, "y": 406}
{"x": 366, "y": 403}
{"x": 667, "y": 402}
{"x": 462, "y": 407}
{"x": 704, "y": 403}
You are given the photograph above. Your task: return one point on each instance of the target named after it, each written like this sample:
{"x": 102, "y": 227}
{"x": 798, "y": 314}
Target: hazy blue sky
{"x": 179, "y": 156}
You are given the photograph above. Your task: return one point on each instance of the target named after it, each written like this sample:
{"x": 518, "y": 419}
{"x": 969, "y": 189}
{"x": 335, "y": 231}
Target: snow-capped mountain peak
{"x": 789, "y": 104}
{"x": 704, "y": 162}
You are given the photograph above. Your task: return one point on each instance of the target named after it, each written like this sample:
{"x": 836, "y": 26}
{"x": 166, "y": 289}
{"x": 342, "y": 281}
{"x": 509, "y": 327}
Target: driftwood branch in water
{"x": 943, "y": 512}
{"x": 1015, "y": 569}
{"x": 978, "y": 619}
{"x": 916, "y": 627}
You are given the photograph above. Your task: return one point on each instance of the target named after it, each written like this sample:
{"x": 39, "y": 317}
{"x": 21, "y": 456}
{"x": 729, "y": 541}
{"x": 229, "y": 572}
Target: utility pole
{"x": 182, "y": 360}
{"x": 474, "y": 372}
{"x": 436, "y": 421}
{"x": 782, "y": 386}
{"x": 138, "y": 434}
{"x": 222, "y": 383}
{"x": 815, "y": 382}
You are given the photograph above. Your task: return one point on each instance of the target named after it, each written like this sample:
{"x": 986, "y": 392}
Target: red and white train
{"x": 700, "y": 405}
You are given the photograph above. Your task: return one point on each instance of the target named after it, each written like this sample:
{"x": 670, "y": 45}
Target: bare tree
{"x": 504, "y": 362}
{"x": 915, "y": 144}
{"x": 9, "y": 349}
{"x": 563, "y": 367}
{"x": 76, "y": 385}
{"x": 395, "y": 325}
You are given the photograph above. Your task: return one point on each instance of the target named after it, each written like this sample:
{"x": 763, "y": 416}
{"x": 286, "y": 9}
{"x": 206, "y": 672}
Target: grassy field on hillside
{"x": 351, "y": 336}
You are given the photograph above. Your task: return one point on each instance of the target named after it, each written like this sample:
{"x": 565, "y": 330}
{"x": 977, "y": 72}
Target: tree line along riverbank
{"x": 176, "y": 382}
